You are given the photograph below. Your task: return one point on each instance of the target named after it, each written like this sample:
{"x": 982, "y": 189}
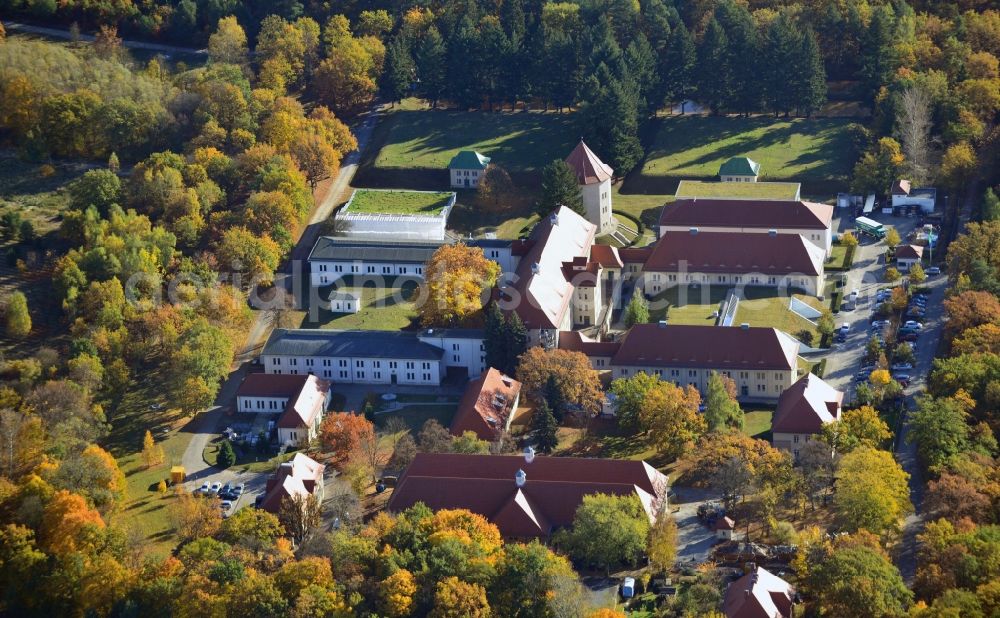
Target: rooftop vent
{"x": 534, "y": 268}
{"x": 662, "y": 323}
{"x": 772, "y": 233}
{"x": 529, "y": 455}
{"x": 745, "y": 326}
{"x": 693, "y": 231}
{"x": 520, "y": 478}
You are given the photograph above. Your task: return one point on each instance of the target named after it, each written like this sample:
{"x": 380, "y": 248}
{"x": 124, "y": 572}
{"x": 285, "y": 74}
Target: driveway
{"x": 694, "y": 539}
{"x": 59, "y": 33}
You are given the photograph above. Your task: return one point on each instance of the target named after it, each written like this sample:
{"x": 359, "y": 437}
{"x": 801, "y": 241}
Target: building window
{"x": 359, "y": 363}
{"x": 795, "y": 438}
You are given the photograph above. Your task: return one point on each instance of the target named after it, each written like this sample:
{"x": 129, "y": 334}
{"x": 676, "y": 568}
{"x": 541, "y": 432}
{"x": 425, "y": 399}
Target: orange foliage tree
{"x": 69, "y": 524}
{"x": 575, "y": 378}
{"x": 342, "y": 434}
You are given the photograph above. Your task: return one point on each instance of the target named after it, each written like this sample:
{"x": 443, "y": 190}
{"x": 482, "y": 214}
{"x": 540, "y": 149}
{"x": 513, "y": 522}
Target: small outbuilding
{"x": 724, "y": 528}
{"x": 739, "y": 169}
{"x": 466, "y": 168}
{"x": 345, "y": 302}
{"x": 906, "y": 196}
{"x": 907, "y": 256}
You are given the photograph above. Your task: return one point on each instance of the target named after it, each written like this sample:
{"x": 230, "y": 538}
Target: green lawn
{"x": 387, "y": 201}
{"x": 760, "y": 307}
{"x": 428, "y": 139}
{"x": 757, "y": 423}
{"x": 387, "y": 308}
{"x": 813, "y": 151}
{"x": 746, "y": 190}
{"x": 249, "y": 459}
{"x": 838, "y": 258}
{"x": 416, "y": 416}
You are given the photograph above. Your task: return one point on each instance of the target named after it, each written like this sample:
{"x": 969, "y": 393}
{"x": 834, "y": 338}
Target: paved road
{"x": 694, "y": 539}
{"x": 59, "y": 33}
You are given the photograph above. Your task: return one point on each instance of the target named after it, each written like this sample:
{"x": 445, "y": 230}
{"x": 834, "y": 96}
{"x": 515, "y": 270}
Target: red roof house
{"x": 300, "y": 399}
{"x": 803, "y": 409}
{"x": 488, "y": 405}
{"x": 302, "y": 476}
{"x": 525, "y": 497}
{"x": 759, "y": 594}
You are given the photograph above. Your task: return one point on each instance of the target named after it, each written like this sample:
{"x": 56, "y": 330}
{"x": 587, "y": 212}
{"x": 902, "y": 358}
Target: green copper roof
{"x": 468, "y": 160}
{"x": 739, "y": 166}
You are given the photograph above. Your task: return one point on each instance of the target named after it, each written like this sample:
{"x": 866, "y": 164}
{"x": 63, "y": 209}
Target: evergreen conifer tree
{"x": 544, "y": 427}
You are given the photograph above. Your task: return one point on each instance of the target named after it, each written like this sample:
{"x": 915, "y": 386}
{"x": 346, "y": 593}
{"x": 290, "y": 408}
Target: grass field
{"x": 760, "y": 307}
{"x": 744, "y": 190}
{"x": 413, "y": 137}
{"x": 813, "y": 151}
{"x": 386, "y": 201}
{"x": 390, "y": 307}
{"x": 757, "y": 423}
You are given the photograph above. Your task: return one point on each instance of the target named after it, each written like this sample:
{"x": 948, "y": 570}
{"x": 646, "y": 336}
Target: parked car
{"x": 237, "y": 492}
{"x": 913, "y": 325}
{"x": 867, "y": 368}
{"x": 909, "y": 336}
{"x": 628, "y": 588}
{"x": 880, "y": 323}
{"x": 932, "y": 271}
{"x": 902, "y": 378}
{"x": 205, "y": 488}
{"x": 215, "y": 488}
{"x": 862, "y": 376}
{"x": 224, "y": 493}
{"x": 845, "y": 328}
{"x": 227, "y": 508}
{"x": 902, "y": 366}
{"x": 920, "y": 302}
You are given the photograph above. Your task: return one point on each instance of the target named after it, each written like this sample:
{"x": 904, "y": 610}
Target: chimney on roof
{"x": 529, "y": 455}
{"x": 534, "y": 268}
{"x": 745, "y": 326}
{"x": 662, "y": 323}
{"x": 554, "y": 219}
{"x": 772, "y": 233}
{"x": 694, "y": 231}
{"x": 520, "y": 478}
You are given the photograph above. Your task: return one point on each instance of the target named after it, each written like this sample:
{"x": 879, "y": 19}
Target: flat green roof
{"x": 739, "y": 166}
{"x": 742, "y": 190}
{"x": 398, "y": 202}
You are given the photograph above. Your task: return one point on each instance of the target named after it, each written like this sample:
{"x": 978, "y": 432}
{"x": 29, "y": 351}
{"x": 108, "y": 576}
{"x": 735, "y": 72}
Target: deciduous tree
{"x": 670, "y": 416}
{"x": 577, "y": 381}
{"x": 637, "y": 310}
{"x": 630, "y": 393}
{"x": 16, "y": 316}
{"x": 342, "y": 434}
{"x": 456, "y": 279}
{"x": 454, "y": 598}
{"x": 872, "y": 491}
{"x": 722, "y": 411}
{"x": 607, "y": 531}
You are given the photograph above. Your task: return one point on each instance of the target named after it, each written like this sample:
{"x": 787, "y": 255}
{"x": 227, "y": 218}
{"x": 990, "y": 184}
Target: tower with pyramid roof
{"x": 594, "y": 177}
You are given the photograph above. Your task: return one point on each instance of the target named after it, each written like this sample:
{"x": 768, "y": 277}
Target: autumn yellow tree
{"x": 669, "y": 415}
{"x": 396, "y": 592}
{"x": 575, "y": 379}
{"x": 454, "y": 598}
{"x": 456, "y": 279}
{"x": 152, "y": 453}
{"x": 661, "y": 547}
{"x": 194, "y": 516}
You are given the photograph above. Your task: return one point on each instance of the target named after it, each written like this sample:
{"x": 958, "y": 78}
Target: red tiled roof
{"x": 577, "y": 342}
{"x": 298, "y": 477}
{"x": 724, "y": 523}
{"x": 486, "y": 405}
{"x": 910, "y": 252}
{"x": 806, "y": 406}
{"x": 765, "y": 214}
{"x": 901, "y": 187}
{"x": 605, "y": 255}
{"x": 708, "y": 347}
{"x": 271, "y": 385}
{"x": 306, "y": 405}
{"x": 632, "y": 255}
{"x": 736, "y": 252}
{"x": 554, "y": 488}
{"x": 589, "y": 169}
{"x": 759, "y": 594}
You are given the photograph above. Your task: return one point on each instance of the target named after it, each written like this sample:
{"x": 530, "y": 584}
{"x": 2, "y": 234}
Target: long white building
{"x": 375, "y": 357}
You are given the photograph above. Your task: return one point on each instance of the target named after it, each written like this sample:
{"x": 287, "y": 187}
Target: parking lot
{"x": 867, "y": 276}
